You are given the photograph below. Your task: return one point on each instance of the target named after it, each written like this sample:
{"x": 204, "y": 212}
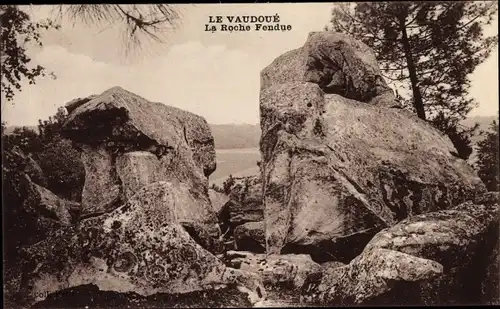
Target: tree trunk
{"x": 418, "y": 104}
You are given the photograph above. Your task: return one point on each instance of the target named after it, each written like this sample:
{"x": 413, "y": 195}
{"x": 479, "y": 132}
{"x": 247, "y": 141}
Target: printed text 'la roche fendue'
{"x": 236, "y": 23}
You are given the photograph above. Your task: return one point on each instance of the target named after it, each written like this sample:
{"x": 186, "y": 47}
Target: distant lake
{"x": 237, "y": 162}
{"x": 239, "y": 150}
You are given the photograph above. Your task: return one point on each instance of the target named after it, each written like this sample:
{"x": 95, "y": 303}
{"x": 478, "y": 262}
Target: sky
{"x": 212, "y": 74}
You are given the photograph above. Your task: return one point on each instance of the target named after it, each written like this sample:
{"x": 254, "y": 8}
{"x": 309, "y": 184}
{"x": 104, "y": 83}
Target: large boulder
{"x": 336, "y": 171}
{"x": 441, "y": 258}
{"x": 28, "y": 220}
{"x": 245, "y": 202}
{"x": 128, "y": 142}
{"x": 102, "y": 190}
{"x": 75, "y": 103}
{"x": 35, "y": 172}
{"x": 250, "y": 236}
{"x": 28, "y": 166}
{"x": 45, "y": 205}
{"x": 241, "y": 217}
{"x": 464, "y": 239}
{"x": 140, "y": 168}
{"x": 368, "y": 276}
{"x": 337, "y": 63}
{"x": 138, "y": 248}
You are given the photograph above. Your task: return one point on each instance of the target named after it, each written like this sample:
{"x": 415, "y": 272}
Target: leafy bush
{"x": 59, "y": 159}
{"x": 56, "y": 156}
{"x": 216, "y": 188}
{"x": 228, "y": 184}
{"x": 63, "y": 168}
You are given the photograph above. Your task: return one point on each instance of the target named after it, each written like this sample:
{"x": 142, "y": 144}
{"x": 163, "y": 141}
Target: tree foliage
{"x": 56, "y": 156}
{"x": 459, "y": 135}
{"x": 227, "y": 185}
{"x": 16, "y": 32}
{"x": 59, "y": 159}
{"x": 25, "y": 138}
{"x": 428, "y": 49}
{"x": 488, "y": 160}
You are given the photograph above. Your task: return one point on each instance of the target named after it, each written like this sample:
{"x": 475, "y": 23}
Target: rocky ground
{"x": 357, "y": 203}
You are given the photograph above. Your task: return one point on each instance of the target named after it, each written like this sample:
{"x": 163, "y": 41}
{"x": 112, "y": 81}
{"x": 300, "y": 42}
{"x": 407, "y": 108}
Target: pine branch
{"x": 147, "y": 19}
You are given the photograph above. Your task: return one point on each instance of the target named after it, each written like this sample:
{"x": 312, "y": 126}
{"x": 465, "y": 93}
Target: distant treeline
{"x": 236, "y": 136}
{"x": 226, "y": 136}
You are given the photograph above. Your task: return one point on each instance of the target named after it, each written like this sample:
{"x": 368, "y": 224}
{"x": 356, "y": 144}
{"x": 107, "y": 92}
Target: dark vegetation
{"x": 488, "y": 158}
{"x": 89, "y": 296}
{"x": 57, "y": 157}
{"x": 50, "y": 161}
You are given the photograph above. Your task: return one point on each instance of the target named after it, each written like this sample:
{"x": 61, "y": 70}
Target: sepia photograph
{"x": 239, "y": 155}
